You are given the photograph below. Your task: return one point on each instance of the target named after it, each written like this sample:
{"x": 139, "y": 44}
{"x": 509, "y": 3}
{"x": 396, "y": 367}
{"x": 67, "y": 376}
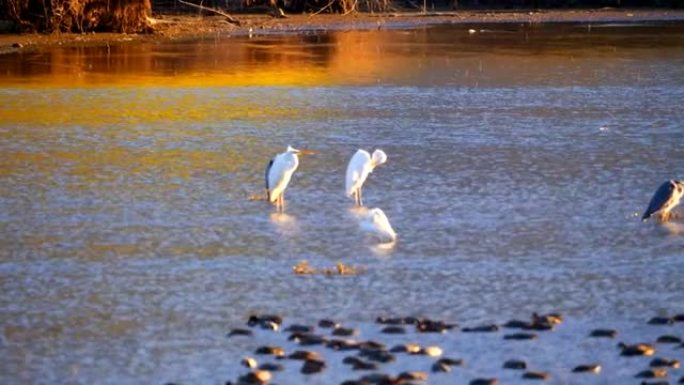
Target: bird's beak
{"x": 305, "y": 151}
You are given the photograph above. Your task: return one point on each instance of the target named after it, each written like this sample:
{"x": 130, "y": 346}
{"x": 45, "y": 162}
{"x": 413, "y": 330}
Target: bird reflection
{"x": 285, "y": 223}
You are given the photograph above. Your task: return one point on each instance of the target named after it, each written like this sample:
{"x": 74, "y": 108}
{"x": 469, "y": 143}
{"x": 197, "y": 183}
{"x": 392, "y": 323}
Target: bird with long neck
{"x": 358, "y": 169}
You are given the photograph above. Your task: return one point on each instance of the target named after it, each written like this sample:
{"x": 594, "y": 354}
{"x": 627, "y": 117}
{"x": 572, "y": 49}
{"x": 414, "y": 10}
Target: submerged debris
{"x": 303, "y": 268}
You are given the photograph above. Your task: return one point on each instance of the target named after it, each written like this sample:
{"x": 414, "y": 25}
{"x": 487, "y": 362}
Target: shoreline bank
{"x": 189, "y": 27}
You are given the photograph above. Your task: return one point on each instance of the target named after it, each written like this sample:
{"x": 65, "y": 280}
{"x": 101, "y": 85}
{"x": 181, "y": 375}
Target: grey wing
{"x": 268, "y": 170}
{"x": 659, "y": 200}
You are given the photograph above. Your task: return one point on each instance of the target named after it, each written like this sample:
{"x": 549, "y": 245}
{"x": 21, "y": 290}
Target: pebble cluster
{"x": 365, "y": 358}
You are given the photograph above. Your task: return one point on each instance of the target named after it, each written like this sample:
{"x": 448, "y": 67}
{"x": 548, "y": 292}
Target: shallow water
{"x": 520, "y": 160}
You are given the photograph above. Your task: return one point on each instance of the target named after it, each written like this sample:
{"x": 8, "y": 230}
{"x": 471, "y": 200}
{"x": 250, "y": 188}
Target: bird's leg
{"x": 665, "y": 216}
{"x": 360, "y": 197}
{"x": 282, "y": 202}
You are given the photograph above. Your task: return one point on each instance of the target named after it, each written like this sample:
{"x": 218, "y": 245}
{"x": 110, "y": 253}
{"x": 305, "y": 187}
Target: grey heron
{"x": 665, "y": 199}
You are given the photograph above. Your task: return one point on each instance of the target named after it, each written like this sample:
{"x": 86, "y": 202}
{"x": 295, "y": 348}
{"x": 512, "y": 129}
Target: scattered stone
{"x": 240, "y": 332}
{"x": 299, "y": 329}
{"x": 313, "y": 366}
{"x": 381, "y": 356}
{"x": 356, "y": 382}
{"x": 668, "y": 339}
{"x": 413, "y": 376}
{"x": 255, "y": 377}
{"x": 305, "y": 339}
{"x": 342, "y": 345}
{"x": 515, "y": 365}
{"x": 432, "y": 351}
{"x": 17, "y": 45}
{"x": 636, "y": 350}
{"x": 661, "y": 321}
{"x": 589, "y": 368}
{"x": 363, "y": 365}
{"x": 249, "y": 362}
{"x": 430, "y": 326}
{"x": 372, "y": 345}
{"x": 603, "y": 333}
{"x": 406, "y": 348}
{"x": 681, "y": 380}
{"x": 393, "y": 329}
{"x": 327, "y": 324}
{"x": 520, "y": 336}
{"x": 516, "y": 324}
{"x": 439, "y": 367}
{"x": 397, "y": 321}
{"x": 655, "y": 383}
{"x": 264, "y": 319}
{"x": 344, "y": 332}
{"x": 551, "y": 318}
{"x": 536, "y": 376}
{"x": 539, "y": 326}
{"x": 663, "y": 362}
{"x": 678, "y": 318}
{"x": 276, "y": 351}
{"x": 450, "y": 361}
{"x": 652, "y": 373}
{"x": 304, "y": 355}
{"x": 482, "y": 329}
{"x": 270, "y": 325}
{"x": 271, "y": 367}
{"x": 484, "y": 381}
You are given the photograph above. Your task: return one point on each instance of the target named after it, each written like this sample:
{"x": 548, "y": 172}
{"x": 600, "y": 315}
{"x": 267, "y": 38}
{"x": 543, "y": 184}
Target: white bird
{"x": 279, "y": 172}
{"x": 360, "y": 165}
{"x": 376, "y": 223}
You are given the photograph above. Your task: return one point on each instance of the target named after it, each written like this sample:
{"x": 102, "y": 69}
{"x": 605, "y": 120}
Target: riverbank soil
{"x": 183, "y": 27}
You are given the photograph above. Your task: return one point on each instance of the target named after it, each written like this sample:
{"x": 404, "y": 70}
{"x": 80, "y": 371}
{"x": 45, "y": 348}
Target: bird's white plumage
{"x": 376, "y": 223}
{"x": 360, "y": 165}
{"x": 280, "y": 173}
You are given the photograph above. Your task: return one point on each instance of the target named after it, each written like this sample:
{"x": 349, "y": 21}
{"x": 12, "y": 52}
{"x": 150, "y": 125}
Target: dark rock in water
{"x": 249, "y": 362}
{"x": 313, "y": 366}
{"x": 603, "y": 333}
{"x": 551, "y": 318}
{"x": 255, "y": 377}
{"x": 406, "y": 348}
{"x": 413, "y": 376}
{"x": 661, "y": 321}
{"x": 299, "y": 329}
{"x": 636, "y": 350}
{"x": 397, "y": 321}
{"x": 373, "y": 345}
{"x": 271, "y": 367}
{"x": 430, "y": 326}
{"x": 450, "y": 361}
{"x": 382, "y": 356}
{"x": 240, "y": 332}
{"x": 664, "y": 363}
{"x": 272, "y": 350}
{"x": 327, "y": 324}
{"x": 363, "y": 365}
{"x": 378, "y": 378}
{"x": 655, "y": 383}
{"x": 393, "y": 329}
{"x": 652, "y": 373}
{"x": 515, "y": 364}
{"x": 262, "y": 319}
{"x": 516, "y": 324}
{"x": 342, "y": 345}
{"x": 432, "y": 351}
{"x": 484, "y": 381}
{"x": 304, "y": 355}
{"x": 344, "y": 332}
{"x": 520, "y": 336}
{"x": 681, "y": 380}
{"x": 536, "y": 376}
{"x": 481, "y": 329}
{"x": 351, "y": 360}
{"x": 17, "y": 45}
{"x": 439, "y": 367}
{"x": 589, "y": 368}
{"x": 356, "y": 382}
{"x": 678, "y": 318}
{"x": 667, "y": 339}
{"x": 539, "y": 326}
{"x": 307, "y": 339}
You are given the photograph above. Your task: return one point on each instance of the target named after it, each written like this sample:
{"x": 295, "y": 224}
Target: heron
{"x": 360, "y": 165}
{"x": 279, "y": 172}
{"x": 665, "y": 199}
{"x": 376, "y": 223}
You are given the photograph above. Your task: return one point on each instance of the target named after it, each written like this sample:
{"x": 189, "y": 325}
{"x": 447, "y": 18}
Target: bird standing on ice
{"x": 279, "y": 172}
{"x": 360, "y": 165}
{"x": 665, "y": 199}
{"x": 376, "y": 223}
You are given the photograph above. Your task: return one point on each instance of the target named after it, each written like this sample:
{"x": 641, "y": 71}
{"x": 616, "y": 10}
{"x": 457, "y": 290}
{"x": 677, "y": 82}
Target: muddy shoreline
{"x": 187, "y": 27}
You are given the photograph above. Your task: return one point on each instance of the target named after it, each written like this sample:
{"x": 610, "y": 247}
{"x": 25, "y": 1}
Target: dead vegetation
{"x": 303, "y": 268}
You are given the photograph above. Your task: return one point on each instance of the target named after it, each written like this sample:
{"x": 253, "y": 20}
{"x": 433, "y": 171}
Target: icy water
{"x": 519, "y": 161}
